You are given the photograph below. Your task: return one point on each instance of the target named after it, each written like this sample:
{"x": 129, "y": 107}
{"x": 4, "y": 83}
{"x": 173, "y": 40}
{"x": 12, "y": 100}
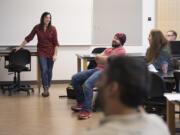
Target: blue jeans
{"x": 88, "y": 78}
{"x": 46, "y": 66}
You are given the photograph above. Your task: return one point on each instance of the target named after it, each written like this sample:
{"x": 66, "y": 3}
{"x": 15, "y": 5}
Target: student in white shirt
{"x": 122, "y": 88}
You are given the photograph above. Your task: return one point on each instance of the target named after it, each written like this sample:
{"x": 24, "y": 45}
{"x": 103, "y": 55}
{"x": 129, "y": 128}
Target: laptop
{"x": 175, "y": 48}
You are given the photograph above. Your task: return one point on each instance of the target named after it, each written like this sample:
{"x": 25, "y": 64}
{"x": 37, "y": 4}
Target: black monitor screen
{"x": 175, "y": 47}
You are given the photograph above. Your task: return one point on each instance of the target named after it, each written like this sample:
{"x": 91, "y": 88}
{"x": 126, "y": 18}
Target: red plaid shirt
{"x": 47, "y": 41}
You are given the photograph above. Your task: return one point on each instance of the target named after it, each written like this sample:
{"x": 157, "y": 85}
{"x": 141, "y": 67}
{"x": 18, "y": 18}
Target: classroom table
{"x": 6, "y": 50}
{"x": 172, "y": 99}
{"x": 171, "y": 116}
{"x": 84, "y": 58}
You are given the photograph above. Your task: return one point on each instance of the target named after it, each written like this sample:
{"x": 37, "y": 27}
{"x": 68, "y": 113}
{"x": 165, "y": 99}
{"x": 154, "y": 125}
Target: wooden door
{"x": 168, "y": 16}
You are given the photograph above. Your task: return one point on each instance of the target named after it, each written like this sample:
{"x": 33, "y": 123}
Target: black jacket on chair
{"x": 92, "y": 63}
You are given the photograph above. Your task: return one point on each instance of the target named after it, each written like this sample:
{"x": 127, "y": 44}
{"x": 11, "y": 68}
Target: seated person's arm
{"x": 163, "y": 61}
{"x": 101, "y": 59}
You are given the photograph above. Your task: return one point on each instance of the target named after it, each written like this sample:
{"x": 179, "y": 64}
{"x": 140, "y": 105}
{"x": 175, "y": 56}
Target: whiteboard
{"x": 72, "y": 19}
{"x": 112, "y": 16}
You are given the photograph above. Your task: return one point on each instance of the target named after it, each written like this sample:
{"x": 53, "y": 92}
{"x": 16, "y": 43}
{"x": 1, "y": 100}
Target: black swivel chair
{"x": 18, "y": 62}
{"x": 92, "y": 63}
{"x": 171, "y": 82}
{"x": 156, "y": 102}
{"x": 176, "y": 73}
{"x": 175, "y": 63}
{"x": 177, "y": 80}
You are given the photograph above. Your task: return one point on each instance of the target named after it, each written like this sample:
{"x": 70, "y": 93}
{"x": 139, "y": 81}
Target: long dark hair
{"x": 158, "y": 43}
{"x": 42, "y": 21}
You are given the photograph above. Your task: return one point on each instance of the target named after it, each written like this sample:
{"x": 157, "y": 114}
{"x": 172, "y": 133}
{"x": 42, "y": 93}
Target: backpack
{"x": 70, "y": 92}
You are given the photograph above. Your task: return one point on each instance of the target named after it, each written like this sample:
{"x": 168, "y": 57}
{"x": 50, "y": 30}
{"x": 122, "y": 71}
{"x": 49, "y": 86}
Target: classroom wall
{"x": 66, "y": 64}
{"x": 112, "y": 16}
{"x": 149, "y": 10}
{"x": 168, "y": 16}
{"x": 72, "y": 18}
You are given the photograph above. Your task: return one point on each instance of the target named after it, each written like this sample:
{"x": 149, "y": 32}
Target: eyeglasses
{"x": 169, "y": 35}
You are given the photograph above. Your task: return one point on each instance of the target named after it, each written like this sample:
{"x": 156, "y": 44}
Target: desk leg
{"x": 171, "y": 117}
{"x": 38, "y": 77}
{"x": 78, "y": 64}
{"x": 84, "y": 64}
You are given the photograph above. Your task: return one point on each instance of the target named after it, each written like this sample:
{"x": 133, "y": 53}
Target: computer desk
{"x": 6, "y": 50}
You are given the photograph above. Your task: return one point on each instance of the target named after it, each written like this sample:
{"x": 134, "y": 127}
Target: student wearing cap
{"x": 88, "y": 78}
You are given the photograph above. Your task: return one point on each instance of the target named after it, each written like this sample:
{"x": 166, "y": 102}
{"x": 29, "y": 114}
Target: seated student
{"x": 171, "y": 35}
{"x": 122, "y": 88}
{"x": 88, "y": 78}
{"x": 159, "y": 53}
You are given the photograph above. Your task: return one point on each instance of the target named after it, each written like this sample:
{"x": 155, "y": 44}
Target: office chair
{"x": 92, "y": 63}
{"x": 7, "y": 86}
{"x": 171, "y": 82}
{"x": 17, "y": 63}
{"x": 177, "y": 80}
{"x": 175, "y": 63}
{"x": 156, "y": 102}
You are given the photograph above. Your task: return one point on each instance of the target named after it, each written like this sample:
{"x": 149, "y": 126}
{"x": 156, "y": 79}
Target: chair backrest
{"x": 140, "y": 59}
{"x": 157, "y": 87}
{"x": 20, "y": 58}
{"x": 175, "y": 63}
{"x": 98, "y": 50}
{"x": 92, "y": 63}
{"x": 177, "y": 79}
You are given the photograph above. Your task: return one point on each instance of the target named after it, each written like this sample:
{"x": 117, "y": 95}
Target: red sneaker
{"x": 84, "y": 115}
{"x": 76, "y": 108}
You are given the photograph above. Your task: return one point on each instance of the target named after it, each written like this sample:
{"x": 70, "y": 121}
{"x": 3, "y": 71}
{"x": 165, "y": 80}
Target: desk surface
{"x": 86, "y": 56}
{"x": 5, "y": 50}
{"x": 169, "y": 75}
{"x": 173, "y": 97}
{"x": 136, "y": 54}
{"x": 92, "y": 56}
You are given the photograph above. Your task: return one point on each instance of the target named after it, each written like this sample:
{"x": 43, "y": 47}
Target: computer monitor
{"x": 175, "y": 48}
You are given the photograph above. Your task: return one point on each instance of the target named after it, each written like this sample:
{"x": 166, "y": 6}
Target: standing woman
{"x": 47, "y": 48}
{"x": 159, "y": 53}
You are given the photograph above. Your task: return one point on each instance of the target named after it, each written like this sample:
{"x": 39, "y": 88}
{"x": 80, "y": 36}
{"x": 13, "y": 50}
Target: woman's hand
{"x": 17, "y": 48}
{"x": 55, "y": 54}
{"x": 54, "y": 58}
{"x": 165, "y": 68}
{"x": 21, "y": 46}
